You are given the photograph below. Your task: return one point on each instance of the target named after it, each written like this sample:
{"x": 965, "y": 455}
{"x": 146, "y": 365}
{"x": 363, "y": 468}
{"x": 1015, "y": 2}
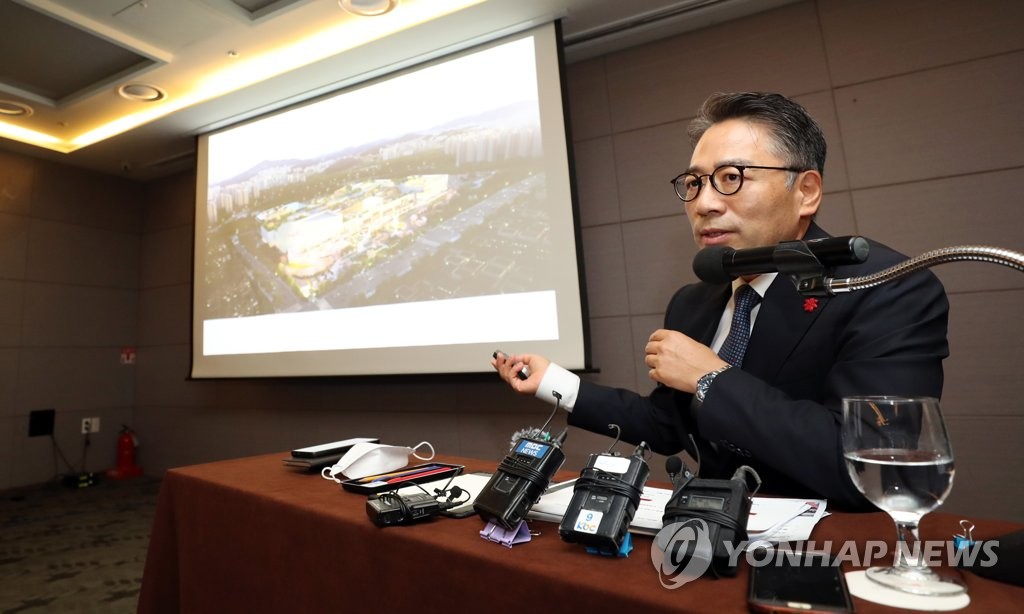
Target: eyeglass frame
{"x": 711, "y": 178}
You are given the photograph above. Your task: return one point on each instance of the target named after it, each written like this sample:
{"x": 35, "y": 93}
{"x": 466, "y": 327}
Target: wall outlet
{"x": 90, "y": 425}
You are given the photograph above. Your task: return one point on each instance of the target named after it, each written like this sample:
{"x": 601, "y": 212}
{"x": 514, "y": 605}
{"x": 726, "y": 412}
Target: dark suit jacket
{"x": 781, "y": 412}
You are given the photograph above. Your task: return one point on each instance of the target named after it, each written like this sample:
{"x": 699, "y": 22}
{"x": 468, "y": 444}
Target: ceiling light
{"x": 17, "y": 133}
{"x": 335, "y": 38}
{"x": 10, "y": 108}
{"x": 141, "y": 92}
{"x": 368, "y": 8}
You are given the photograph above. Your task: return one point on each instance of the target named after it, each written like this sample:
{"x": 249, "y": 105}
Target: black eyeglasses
{"x": 726, "y": 179}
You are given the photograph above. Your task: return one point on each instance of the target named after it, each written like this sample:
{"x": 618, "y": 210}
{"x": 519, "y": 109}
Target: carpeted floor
{"x": 75, "y": 550}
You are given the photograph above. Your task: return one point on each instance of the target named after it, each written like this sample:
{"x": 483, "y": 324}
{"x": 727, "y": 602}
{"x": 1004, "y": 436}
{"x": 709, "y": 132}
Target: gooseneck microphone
{"x": 719, "y": 265}
{"x": 805, "y": 262}
{"x": 959, "y": 253}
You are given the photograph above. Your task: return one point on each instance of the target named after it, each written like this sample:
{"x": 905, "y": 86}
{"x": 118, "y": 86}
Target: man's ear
{"x": 809, "y": 187}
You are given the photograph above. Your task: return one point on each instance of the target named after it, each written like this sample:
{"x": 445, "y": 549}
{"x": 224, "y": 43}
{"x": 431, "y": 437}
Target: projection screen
{"x": 411, "y": 224}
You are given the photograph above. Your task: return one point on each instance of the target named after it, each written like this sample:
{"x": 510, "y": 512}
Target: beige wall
{"x": 920, "y": 104}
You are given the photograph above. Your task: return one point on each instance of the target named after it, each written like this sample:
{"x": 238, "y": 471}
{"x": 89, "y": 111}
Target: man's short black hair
{"x": 798, "y": 138}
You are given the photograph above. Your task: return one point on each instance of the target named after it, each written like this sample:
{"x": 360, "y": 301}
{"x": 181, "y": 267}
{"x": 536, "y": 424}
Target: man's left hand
{"x": 678, "y": 361}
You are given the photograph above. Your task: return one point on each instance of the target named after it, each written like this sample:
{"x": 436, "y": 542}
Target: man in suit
{"x": 755, "y": 179}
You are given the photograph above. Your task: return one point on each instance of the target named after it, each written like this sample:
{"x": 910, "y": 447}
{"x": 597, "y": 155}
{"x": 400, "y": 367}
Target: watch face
{"x": 702, "y": 386}
{"x": 704, "y": 383}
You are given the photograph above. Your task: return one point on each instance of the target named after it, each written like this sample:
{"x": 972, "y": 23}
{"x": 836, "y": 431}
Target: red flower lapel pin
{"x": 810, "y": 304}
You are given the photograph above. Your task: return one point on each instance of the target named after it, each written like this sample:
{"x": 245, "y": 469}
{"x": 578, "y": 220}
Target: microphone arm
{"x": 829, "y": 286}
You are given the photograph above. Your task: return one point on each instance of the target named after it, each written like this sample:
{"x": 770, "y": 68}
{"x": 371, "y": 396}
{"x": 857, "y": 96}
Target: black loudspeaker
{"x": 40, "y": 422}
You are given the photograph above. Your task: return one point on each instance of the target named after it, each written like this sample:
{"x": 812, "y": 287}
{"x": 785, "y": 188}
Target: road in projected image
{"x": 454, "y": 213}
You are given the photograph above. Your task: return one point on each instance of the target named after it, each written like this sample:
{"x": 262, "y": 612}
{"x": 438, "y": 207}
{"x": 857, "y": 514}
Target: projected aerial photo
{"x": 425, "y": 216}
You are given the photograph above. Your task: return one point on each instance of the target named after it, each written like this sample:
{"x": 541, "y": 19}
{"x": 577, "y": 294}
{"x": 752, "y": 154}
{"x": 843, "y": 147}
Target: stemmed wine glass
{"x": 898, "y": 454}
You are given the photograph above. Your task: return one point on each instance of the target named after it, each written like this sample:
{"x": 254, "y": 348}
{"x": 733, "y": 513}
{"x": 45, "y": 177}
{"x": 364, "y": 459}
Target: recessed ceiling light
{"x": 141, "y": 92}
{"x": 9, "y": 108}
{"x": 368, "y": 8}
{"x": 335, "y": 37}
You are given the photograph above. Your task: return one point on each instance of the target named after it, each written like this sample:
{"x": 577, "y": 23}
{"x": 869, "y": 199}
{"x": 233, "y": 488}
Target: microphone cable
{"x": 509, "y": 465}
{"x": 439, "y": 493}
{"x": 600, "y": 481}
{"x": 513, "y": 466}
{"x": 558, "y": 401}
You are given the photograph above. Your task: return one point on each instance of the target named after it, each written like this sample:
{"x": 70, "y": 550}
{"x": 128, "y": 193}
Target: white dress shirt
{"x": 567, "y": 383}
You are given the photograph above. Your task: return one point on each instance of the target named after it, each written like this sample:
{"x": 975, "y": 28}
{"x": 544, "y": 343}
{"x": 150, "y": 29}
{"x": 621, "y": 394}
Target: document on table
{"x": 553, "y": 502}
{"x": 771, "y": 519}
{"x": 775, "y": 519}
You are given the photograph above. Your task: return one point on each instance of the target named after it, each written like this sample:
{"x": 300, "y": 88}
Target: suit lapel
{"x": 783, "y": 320}
{"x": 705, "y": 314}
{"x": 781, "y": 323}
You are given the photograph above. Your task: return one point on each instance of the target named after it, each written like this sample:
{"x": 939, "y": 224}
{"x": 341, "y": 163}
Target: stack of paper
{"x": 782, "y": 520}
{"x": 771, "y": 519}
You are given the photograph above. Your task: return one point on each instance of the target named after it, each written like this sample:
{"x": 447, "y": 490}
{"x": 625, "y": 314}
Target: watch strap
{"x": 705, "y": 381}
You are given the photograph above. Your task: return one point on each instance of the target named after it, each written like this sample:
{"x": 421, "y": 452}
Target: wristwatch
{"x": 704, "y": 383}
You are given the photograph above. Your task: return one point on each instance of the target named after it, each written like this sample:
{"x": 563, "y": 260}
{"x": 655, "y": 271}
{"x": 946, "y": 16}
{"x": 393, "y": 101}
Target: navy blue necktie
{"x": 735, "y": 345}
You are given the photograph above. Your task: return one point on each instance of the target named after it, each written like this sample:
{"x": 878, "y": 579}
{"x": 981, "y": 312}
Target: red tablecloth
{"x": 251, "y": 535}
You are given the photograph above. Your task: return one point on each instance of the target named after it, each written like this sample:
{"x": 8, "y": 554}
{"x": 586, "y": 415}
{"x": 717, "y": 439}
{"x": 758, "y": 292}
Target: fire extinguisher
{"x": 126, "y": 445}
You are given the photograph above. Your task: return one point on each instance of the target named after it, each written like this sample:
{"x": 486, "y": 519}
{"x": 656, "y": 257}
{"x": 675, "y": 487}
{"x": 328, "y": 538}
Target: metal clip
{"x": 965, "y": 539}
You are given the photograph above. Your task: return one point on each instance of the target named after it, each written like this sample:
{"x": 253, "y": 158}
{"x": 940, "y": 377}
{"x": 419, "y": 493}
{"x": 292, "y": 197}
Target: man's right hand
{"x": 508, "y": 366}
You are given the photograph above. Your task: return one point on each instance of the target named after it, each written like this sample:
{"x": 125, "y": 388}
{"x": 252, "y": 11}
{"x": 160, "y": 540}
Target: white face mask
{"x": 365, "y": 459}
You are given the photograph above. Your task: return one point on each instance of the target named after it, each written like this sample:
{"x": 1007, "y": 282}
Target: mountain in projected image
{"x": 522, "y": 114}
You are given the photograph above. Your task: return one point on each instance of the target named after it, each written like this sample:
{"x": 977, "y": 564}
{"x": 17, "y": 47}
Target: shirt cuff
{"x": 565, "y": 383}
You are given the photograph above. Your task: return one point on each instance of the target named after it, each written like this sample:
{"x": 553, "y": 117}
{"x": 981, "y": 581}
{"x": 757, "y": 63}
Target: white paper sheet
{"x": 771, "y": 518}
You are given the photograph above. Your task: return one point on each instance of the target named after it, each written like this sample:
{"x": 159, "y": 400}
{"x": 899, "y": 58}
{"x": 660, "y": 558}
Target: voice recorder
{"x": 723, "y": 506}
{"x": 520, "y": 480}
{"x": 604, "y": 501}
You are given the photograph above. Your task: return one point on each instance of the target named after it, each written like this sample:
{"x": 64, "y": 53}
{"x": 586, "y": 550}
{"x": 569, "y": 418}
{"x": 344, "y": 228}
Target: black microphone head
{"x": 673, "y": 465}
{"x": 835, "y": 251}
{"x": 860, "y": 248}
{"x": 709, "y": 264}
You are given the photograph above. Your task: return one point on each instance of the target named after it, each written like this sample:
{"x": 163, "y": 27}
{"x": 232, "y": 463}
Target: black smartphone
{"x": 798, "y": 582}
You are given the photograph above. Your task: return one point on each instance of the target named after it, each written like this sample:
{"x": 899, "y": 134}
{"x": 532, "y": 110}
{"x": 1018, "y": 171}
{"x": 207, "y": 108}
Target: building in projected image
{"x": 310, "y": 244}
{"x": 319, "y": 241}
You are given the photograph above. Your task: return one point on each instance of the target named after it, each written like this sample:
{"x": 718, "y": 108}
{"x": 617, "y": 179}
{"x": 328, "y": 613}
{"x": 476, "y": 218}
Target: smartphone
{"x": 793, "y": 582}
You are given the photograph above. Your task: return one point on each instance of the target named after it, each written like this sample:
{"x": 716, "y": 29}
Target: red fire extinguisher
{"x": 126, "y": 445}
